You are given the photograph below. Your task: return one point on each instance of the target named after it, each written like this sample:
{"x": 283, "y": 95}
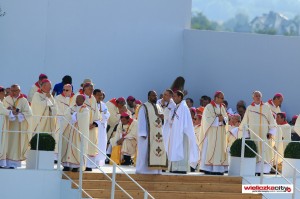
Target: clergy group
{"x": 163, "y": 134}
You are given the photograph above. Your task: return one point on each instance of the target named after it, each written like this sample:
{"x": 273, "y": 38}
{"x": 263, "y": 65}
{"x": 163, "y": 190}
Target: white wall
{"x": 239, "y": 63}
{"x": 21, "y": 184}
{"x": 126, "y": 47}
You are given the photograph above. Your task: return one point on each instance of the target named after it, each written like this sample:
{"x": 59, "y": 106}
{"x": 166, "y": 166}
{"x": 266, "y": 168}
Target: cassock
{"x": 282, "y": 139}
{"x": 260, "y": 120}
{"x": 41, "y": 105}
{"x": 129, "y": 133}
{"x": 180, "y": 139}
{"x": 35, "y": 87}
{"x": 213, "y": 139}
{"x": 4, "y": 113}
{"x": 197, "y": 131}
{"x": 273, "y": 108}
{"x": 102, "y": 137}
{"x": 62, "y": 104}
{"x": 167, "y": 108}
{"x": 18, "y": 143}
{"x": 151, "y": 157}
{"x": 114, "y": 116}
{"x": 78, "y": 116}
{"x": 95, "y": 118}
{"x": 231, "y": 136}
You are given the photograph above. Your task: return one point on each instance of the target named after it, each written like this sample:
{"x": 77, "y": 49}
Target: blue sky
{"x": 222, "y": 10}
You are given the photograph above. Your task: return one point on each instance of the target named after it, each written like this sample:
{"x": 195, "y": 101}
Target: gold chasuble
{"x": 63, "y": 103}
{"x": 70, "y": 152}
{"x": 260, "y": 120}
{"x": 41, "y": 105}
{"x": 157, "y": 156}
{"x": 3, "y": 135}
{"x": 18, "y": 143}
{"x": 216, "y": 154}
{"x": 95, "y": 116}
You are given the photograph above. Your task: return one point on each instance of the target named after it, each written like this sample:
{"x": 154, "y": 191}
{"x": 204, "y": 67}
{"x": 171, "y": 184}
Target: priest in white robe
{"x": 275, "y": 103}
{"x": 283, "y": 136}
{"x": 152, "y": 157}
{"x": 95, "y": 118}
{"x": 168, "y": 105}
{"x": 44, "y": 109}
{"x": 102, "y": 137}
{"x": 37, "y": 86}
{"x": 4, "y": 114}
{"x": 79, "y": 117}
{"x": 126, "y": 136}
{"x": 259, "y": 119}
{"x": 18, "y": 143}
{"x": 63, "y": 102}
{"x": 214, "y": 125}
{"x": 115, "y": 107}
{"x": 197, "y": 129}
{"x": 180, "y": 140}
{"x": 233, "y": 130}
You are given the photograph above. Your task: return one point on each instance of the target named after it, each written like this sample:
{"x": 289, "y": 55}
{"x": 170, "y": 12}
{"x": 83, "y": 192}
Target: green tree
{"x": 239, "y": 23}
{"x": 267, "y": 31}
{"x": 199, "y": 21}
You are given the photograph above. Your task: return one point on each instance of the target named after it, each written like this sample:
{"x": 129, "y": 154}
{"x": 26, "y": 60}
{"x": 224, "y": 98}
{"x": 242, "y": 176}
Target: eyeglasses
{"x": 65, "y": 90}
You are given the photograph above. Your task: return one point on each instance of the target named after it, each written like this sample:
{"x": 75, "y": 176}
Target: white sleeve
{"x": 105, "y": 113}
{"x": 21, "y": 117}
{"x": 235, "y": 131}
{"x": 142, "y": 124}
{"x": 74, "y": 118}
{"x": 11, "y": 116}
{"x": 273, "y": 131}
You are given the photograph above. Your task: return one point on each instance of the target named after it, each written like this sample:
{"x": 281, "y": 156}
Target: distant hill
{"x": 223, "y": 10}
{"x": 271, "y": 23}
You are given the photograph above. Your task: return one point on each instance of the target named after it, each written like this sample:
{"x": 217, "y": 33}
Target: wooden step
{"x": 101, "y": 193}
{"x": 161, "y": 178}
{"x": 164, "y": 186}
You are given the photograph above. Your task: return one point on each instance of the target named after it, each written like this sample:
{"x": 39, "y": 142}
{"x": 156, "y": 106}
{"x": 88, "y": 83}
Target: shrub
{"x": 236, "y": 148}
{"x": 46, "y": 142}
{"x": 292, "y": 150}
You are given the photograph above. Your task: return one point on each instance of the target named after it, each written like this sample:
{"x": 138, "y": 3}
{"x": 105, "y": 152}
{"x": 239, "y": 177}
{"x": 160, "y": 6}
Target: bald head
{"x": 67, "y": 90}
{"x": 80, "y": 100}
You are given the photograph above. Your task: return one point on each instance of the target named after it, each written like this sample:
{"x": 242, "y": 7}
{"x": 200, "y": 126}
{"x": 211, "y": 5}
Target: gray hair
{"x": 16, "y": 86}
{"x": 255, "y": 92}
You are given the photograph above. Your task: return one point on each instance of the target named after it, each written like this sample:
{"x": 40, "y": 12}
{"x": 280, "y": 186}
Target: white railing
{"x": 115, "y": 166}
{"x": 263, "y": 161}
{"x": 83, "y": 157}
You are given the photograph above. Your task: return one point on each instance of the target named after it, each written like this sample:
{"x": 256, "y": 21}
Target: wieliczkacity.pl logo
{"x": 273, "y": 188}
